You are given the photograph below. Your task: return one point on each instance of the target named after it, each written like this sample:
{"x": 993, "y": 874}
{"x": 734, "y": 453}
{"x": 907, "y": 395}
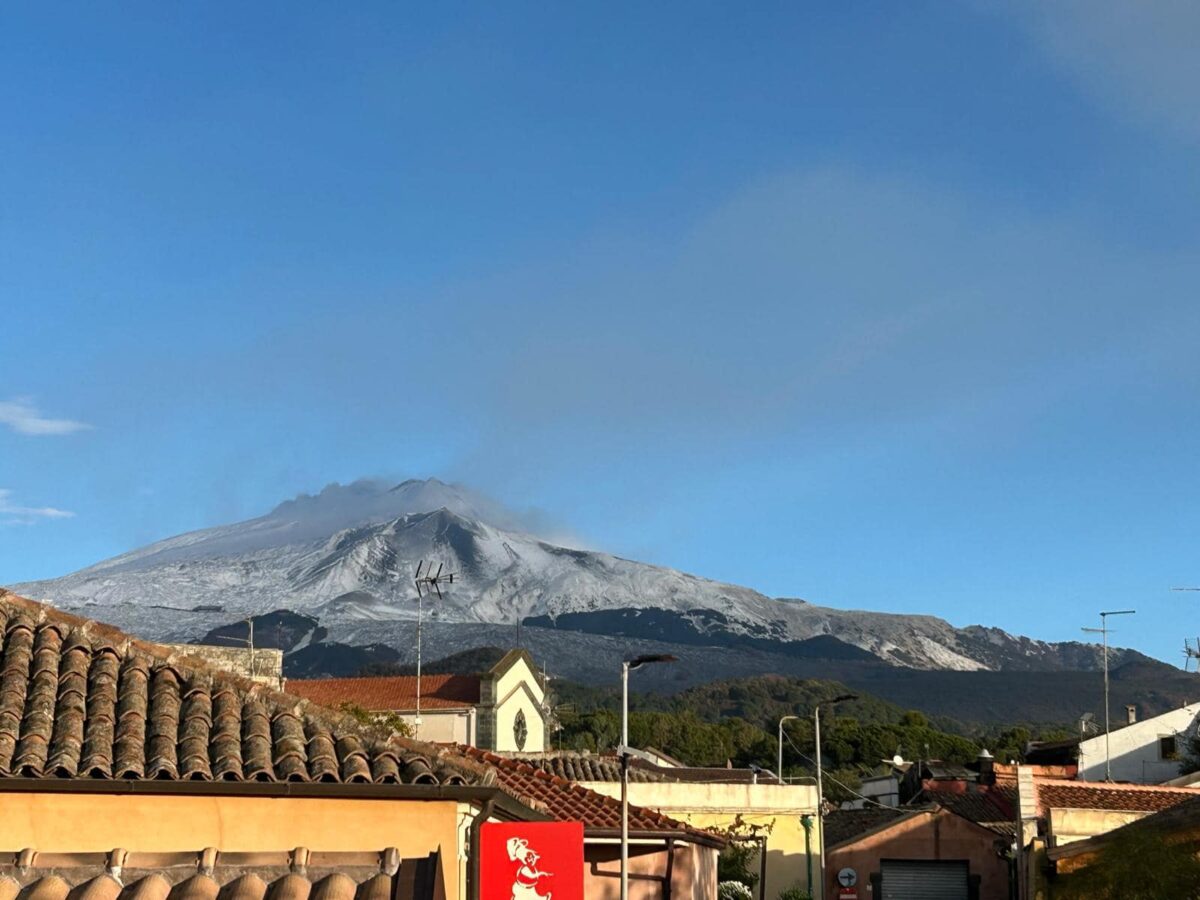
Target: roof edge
{"x": 504, "y": 800}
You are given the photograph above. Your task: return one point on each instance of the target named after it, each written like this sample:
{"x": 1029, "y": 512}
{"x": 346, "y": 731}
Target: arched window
{"x": 520, "y": 729}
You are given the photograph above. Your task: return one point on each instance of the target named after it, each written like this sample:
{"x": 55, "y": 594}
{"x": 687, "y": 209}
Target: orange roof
{"x": 1061, "y": 794}
{"x": 391, "y": 692}
{"x": 567, "y": 801}
{"x": 80, "y": 700}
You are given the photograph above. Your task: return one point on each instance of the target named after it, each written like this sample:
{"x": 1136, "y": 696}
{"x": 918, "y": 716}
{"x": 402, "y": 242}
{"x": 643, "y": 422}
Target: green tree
{"x": 382, "y": 724}
{"x": 737, "y": 863}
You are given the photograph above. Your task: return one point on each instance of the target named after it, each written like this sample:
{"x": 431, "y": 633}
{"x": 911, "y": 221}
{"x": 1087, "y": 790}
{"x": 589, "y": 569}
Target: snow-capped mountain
{"x": 347, "y": 556}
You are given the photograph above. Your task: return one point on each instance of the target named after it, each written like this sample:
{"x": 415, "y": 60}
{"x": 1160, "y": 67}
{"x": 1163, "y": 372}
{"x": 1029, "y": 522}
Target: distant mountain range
{"x": 344, "y": 560}
{"x": 347, "y": 555}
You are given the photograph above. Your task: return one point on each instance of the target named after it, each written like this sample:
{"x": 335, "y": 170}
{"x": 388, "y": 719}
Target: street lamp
{"x": 625, "y": 752}
{"x": 820, "y": 782}
{"x": 779, "y": 766}
{"x": 1103, "y": 630}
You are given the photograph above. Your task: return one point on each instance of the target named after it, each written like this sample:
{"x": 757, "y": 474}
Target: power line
{"x": 850, "y": 790}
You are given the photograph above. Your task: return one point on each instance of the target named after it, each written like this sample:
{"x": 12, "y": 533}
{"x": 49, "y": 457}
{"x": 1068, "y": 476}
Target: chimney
{"x": 987, "y": 767}
{"x": 1130, "y": 714}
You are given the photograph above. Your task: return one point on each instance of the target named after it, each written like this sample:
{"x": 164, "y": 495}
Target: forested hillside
{"x": 736, "y": 721}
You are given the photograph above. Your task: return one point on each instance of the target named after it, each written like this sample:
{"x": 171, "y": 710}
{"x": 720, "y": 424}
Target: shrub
{"x": 733, "y": 890}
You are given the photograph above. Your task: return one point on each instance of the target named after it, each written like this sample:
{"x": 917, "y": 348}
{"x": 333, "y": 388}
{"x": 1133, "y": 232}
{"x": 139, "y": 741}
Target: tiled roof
{"x": 1056, "y": 794}
{"x": 206, "y": 875}
{"x": 843, "y": 825}
{"x": 1177, "y": 821}
{"x": 590, "y": 767}
{"x": 712, "y": 774}
{"x": 993, "y": 808}
{"x": 83, "y": 700}
{"x": 391, "y": 692}
{"x": 582, "y": 766}
{"x": 565, "y": 800}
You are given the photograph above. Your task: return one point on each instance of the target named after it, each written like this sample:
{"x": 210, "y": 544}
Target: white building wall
{"x": 1135, "y": 748}
{"x": 442, "y": 726}
{"x": 518, "y": 691}
{"x": 881, "y": 789}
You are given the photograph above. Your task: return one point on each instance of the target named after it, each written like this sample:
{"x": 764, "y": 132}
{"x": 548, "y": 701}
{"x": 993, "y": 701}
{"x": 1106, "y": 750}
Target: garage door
{"x": 904, "y": 879}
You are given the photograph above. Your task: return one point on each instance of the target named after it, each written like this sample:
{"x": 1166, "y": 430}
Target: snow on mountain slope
{"x": 348, "y": 553}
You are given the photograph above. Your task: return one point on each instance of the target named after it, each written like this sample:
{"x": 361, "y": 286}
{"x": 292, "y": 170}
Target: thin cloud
{"x": 12, "y": 514}
{"x": 1142, "y": 59}
{"x": 23, "y": 417}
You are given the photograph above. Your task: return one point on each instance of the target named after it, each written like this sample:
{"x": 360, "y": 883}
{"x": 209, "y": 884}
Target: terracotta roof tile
{"x": 992, "y": 810}
{"x": 567, "y": 801}
{"x": 257, "y": 876}
{"x": 1058, "y": 794}
{"x": 842, "y": 825}
{"x": 588, "y": 767}
{"x": 584, "y": 766}
{"x": 391, "y": 692}
{"x": 82, "y": 700}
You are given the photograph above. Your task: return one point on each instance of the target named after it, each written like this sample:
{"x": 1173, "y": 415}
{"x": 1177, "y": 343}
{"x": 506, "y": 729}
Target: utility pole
{"x": 1103, "y": 631}
{"x": 779, "y": 765}
{"x": 820, "y": 782}
{"x": 625, "y": 752}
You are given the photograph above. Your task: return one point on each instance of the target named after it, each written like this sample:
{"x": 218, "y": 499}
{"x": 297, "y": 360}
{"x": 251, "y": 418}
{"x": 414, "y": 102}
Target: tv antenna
{"x": 1087, "y": 722}
{"x": 430, "y": 582}
{"x": 1105, "y": 631}
{"x": 1191, "y": 650}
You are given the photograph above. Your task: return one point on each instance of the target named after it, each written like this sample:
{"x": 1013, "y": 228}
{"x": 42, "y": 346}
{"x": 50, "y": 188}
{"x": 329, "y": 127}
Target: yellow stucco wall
{"x": 1069, "y": 825}
{"x": 719, "y": 806}
{"x": 63, "y": 822}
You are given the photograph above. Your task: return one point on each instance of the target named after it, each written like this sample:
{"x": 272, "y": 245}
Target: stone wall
{"x": 262, "y": 664}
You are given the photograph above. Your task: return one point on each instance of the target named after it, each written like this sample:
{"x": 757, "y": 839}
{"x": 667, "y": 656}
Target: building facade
{"x": 913, "y": 854}
{"x": 503, "y": 709}
{"x": 1143, "y": 752}
{"x": 747, "y": 805}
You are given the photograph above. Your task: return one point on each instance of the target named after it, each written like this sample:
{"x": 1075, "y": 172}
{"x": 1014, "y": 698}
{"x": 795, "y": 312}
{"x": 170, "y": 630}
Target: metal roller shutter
{"x": 923, "y": 880}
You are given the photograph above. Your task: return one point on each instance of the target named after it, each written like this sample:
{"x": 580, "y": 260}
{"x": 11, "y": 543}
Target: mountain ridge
{"x": 347, "y": 554}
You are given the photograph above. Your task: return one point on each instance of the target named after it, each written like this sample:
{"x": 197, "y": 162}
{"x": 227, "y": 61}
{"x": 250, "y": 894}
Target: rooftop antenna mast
{"x": 1103, "y": 630}
{"x": 248, "y": 640}
{"x": 1087, "y": 724}
{"x": 1190, "y": 652}
{"x": 428, "y": 582}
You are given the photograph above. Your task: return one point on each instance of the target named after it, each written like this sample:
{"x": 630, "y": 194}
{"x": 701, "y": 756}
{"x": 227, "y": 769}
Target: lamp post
{"x": 624, "y": 751}
{"x": 820, "y": 782}
{"x": 1103, "y": 630}
{"x": 779, "y": 765}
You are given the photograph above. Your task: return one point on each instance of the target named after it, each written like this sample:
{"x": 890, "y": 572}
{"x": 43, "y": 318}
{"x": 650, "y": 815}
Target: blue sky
{"x": 885, "y": 306}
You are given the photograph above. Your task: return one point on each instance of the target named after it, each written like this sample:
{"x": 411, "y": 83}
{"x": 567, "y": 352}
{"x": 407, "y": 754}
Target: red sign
{"x": 531, "y": 861}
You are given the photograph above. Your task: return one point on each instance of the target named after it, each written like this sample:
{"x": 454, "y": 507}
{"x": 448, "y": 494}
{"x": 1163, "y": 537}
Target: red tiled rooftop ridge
{"x": 79, "y": 699}
{"x": 204, "y": 875}
{"x": 390, "y": 692}
{"x": 1054, "y": 793}
{"x": 567, "y": 801}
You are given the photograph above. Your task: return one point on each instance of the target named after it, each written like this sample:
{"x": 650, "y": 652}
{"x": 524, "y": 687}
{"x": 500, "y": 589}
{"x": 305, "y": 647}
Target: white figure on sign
{"x": 525, "y": 885}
